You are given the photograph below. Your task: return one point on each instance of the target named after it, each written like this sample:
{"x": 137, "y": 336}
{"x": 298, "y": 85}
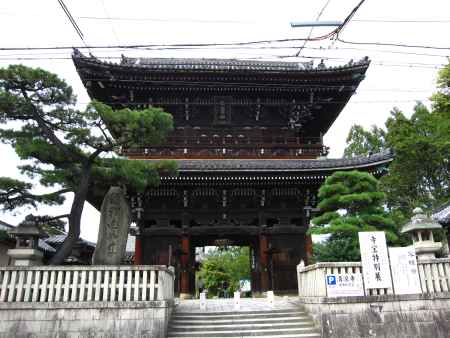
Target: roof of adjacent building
{"x": 443, "y": 214}
{"x": 270, "y": 165}
{"x": 5, "y": 226}
{"x": 59, "y": 239}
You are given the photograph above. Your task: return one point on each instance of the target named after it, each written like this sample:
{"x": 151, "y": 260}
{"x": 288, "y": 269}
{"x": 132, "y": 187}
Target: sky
{"x": 397, "y": 77}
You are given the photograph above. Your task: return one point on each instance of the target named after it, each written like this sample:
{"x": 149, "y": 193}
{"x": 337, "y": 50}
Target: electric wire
{"x": 336, "y": 59}
{"x": 72, "y": 20}
{"x": 312, "y": 28}
{"x": 389, "y": 44}
{"x": 110, "y": 22}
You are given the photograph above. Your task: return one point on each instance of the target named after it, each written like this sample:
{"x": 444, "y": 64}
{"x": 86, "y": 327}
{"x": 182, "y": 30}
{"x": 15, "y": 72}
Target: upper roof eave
{"x": 271, "y": 166}
{"x": 214, "y": 65}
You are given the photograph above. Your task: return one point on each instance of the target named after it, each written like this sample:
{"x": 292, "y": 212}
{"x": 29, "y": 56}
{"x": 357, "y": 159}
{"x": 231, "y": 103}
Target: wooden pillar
{"x": 264, "y": 261}
{"x": 138, "y": 250}
{"x": 185, "y": 268}
{"x": 309, "y": 248}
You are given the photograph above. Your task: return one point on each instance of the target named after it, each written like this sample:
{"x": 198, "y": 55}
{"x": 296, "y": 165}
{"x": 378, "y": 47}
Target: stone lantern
{"x": 26, "y": 252}
{"x": 421, "y": 229}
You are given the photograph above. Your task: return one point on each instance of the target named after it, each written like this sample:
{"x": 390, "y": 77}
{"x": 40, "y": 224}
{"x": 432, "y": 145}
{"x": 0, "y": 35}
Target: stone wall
{"x": 85, "y": 319}
{"x": 425, "y": 316}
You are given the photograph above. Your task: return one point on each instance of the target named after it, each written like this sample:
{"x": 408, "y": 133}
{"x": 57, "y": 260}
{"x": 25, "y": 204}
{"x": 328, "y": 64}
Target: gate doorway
{"x": 222, "y": 270}
{"x": 229, "y": 259}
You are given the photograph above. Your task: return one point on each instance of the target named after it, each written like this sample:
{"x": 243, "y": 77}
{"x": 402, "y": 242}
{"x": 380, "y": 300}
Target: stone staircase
{"x": 276, "y": 323}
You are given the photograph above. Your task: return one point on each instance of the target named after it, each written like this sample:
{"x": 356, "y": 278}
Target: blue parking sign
{"x": 331, "y": 280}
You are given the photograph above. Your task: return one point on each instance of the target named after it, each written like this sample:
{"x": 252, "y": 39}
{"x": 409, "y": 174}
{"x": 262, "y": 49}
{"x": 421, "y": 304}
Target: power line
{"x": 110, "y": 22}
{"x": 317, "y": 38}
{"x": 72, "y": 20}
{"x": 213, "y": 21}
{"x": 250, "y": 48}
{"x": 390, "y": 44}
{"x": 135, "y": 46}
{"x": 312, "y": 28}
{"x": 401, "y": 21}
{"x": 192, "y": 45}
{"x": 377, "y": 63}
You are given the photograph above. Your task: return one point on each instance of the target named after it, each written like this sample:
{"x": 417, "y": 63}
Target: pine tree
{"x": 68, "y": 147}
{"x": 350, "y": 202}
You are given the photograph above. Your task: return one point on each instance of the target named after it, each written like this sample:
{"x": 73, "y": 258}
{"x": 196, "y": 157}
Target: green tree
{"x": 350, "y": 202}
{"x": 361, "y": 142}
{"x": 66, "y": 147}
{"x": 420, "y": 172}
{"x": 230, "y": 265}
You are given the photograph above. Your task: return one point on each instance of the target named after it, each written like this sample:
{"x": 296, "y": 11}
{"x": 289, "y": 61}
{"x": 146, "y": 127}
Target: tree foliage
{"x": 350, "y": 202}
{"x": 67, "y": 147}
{"x": 230, "y": 265}
{"x": 420, "y": 173}
{"x": 363, "y": 142}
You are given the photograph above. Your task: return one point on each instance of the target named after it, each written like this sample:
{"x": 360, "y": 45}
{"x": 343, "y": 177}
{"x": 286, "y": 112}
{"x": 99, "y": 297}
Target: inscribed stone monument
{"x": 113, "y": 230}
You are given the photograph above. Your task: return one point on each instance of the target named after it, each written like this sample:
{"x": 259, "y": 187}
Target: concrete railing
{"x": 85, "y": 283}
{"x": 434, "y": 277}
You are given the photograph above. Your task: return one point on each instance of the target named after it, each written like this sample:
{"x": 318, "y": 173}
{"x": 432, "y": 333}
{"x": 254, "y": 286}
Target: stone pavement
{"x": 247, "y": 304}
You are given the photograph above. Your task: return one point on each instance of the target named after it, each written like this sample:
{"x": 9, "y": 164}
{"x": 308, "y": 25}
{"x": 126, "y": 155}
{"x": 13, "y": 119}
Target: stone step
{"x": 276, "y": 323}
{"x": 238, "y": 321}
{"x": 295, "y": 332}
{"x": 236, "y": 315}
{"x": 296, "y": 335}
{"x": 220, "y": 313}
{"x": 241, "y": 327}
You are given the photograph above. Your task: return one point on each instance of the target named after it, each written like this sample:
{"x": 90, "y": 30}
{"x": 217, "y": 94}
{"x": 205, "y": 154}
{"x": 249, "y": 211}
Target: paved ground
{"x": 247, "y": 304}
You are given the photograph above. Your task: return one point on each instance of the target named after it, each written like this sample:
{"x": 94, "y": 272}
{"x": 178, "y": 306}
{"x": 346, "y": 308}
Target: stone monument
{"x": 115, "y": 219}
{"x": 26, "y": 252}
{"x": 421, "y": 229}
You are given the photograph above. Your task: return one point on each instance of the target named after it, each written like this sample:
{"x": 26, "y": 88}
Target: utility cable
{"x": 72, "y": 20}
{"x": 312, "y": 28}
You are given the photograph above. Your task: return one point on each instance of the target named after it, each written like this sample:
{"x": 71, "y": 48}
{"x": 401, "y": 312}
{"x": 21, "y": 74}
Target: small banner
{"x": 344, "y": 285}
{"x": 405, "y": 273}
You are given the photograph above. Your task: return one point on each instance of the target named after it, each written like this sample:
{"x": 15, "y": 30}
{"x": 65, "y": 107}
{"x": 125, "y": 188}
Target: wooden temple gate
{"x": 248, "y": 140}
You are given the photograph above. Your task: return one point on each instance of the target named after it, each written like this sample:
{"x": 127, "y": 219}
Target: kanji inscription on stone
{"x": 113, "y": 230}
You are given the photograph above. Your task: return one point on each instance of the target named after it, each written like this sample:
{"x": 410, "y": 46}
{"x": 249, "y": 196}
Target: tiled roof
{"x": 58, "y": 239}
{"x": 284, "y": 165}
{"x": 45, "y": 247}
{"x": 5, "y": 226}
{"x": 443, "y": 215}
{"x": 200, "y": 64}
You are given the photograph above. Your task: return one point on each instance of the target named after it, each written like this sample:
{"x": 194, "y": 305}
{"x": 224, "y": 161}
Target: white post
{"x": 237, "y": 300}
{"x": 202, "y": 300}
{"x": 270, "y": 298}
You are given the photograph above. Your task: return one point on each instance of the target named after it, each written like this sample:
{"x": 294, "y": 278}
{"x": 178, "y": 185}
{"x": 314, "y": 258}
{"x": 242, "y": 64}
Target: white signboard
{"x": 374, "y": 259}
{"x": 344, "y": 285}
{"x": 245, "y": 285}
{"x": 405, "y": 274}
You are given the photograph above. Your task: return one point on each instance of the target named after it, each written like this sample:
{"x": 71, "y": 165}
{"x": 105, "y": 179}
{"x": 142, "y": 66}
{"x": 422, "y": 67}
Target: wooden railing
{"x": 434, "y": 277}
{"x": 85, "y": 283}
